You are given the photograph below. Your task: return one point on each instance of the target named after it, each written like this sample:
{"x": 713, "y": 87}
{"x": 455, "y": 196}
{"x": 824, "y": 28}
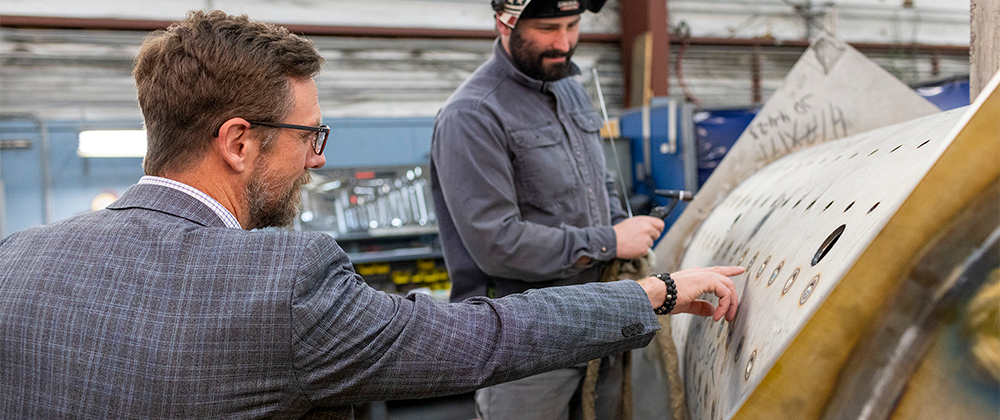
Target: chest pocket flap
{"x": 588, "y": 121}
{"x": 538, "y": 137}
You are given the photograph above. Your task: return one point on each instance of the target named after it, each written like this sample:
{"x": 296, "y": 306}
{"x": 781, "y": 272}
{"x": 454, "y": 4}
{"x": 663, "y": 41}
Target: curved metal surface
{"x": 787, "y": 212}
{"x": 863, "y": 208}
{"x": 917, "y": 349}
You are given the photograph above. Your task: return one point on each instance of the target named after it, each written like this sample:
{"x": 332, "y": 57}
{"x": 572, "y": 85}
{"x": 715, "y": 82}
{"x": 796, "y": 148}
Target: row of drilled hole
{"x": 712, "y": 241}
{"x": 809, "y": 207}
{"x": 820, "y": 253}
{"x": 809, "y": 163}
{"x": 761, "y": 203}
{"x": 823, "y": 250}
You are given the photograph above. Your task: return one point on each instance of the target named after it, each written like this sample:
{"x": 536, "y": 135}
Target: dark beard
{"x": 265, "y": 210}
{"x": 529, "y": 61}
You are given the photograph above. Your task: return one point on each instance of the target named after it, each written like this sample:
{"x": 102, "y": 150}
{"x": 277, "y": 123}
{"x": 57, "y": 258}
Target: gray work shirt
{"x": 520, "y": 183}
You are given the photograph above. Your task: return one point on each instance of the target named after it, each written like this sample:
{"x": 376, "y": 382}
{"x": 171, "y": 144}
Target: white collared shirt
{"x": 212, "y": 203}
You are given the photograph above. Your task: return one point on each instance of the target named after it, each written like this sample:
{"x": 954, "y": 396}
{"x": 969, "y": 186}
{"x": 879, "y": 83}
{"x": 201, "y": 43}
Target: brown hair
{"x": 208, "y": 68}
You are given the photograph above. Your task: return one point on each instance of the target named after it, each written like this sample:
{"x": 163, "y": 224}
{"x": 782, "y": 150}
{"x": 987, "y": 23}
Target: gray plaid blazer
{"x": 152, "y": 308}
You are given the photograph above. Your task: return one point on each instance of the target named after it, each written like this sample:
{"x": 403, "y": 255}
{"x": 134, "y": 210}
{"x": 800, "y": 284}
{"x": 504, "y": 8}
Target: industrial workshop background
{"x": 674, "y": 72}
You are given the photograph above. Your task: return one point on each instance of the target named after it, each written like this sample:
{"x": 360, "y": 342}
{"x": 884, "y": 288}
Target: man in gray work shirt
{"x": 523, "y": 196}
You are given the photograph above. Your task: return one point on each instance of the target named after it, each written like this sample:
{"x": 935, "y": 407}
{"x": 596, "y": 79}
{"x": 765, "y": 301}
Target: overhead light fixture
{"x": 112, "y": 143}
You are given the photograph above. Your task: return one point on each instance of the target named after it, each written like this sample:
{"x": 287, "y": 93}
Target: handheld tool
{"x": 675, "y": 196}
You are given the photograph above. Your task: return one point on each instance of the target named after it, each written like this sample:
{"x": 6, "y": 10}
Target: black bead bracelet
{"x": 671, "y": 299}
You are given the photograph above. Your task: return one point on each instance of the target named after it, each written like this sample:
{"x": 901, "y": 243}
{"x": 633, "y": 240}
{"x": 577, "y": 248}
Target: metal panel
{"x": 828, "y": 233}
{"x": 798, "y": 226}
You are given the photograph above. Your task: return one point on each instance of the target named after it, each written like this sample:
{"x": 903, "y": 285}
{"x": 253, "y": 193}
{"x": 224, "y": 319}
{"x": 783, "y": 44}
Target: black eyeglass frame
{"x": 318, "y": 144}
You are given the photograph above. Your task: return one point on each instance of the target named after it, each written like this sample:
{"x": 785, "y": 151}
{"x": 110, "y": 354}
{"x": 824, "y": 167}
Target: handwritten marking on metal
{"x": 780, "y": 131}
{"x": 828, "y": 94}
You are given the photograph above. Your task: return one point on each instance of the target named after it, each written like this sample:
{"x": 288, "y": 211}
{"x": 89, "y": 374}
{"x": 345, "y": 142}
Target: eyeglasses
{"x": 318, "y": 139}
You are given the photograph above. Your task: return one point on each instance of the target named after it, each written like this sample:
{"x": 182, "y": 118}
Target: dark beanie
{"x": 535, "y": 9}
{"x": 559, "y": 8}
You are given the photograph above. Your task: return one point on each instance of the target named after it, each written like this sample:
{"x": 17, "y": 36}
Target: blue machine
{"x": 946, "y": 94}
{"x": 677, "y": 153}
{"x": 657, "y": 156}
{"x": 716, "y": 131}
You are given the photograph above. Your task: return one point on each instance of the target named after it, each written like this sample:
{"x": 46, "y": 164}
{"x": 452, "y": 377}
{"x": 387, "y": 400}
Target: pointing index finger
{"x": 728, "y": 271}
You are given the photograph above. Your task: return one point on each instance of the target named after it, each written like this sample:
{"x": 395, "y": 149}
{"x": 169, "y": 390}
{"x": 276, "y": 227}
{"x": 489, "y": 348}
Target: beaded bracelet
{"x": 671, "y": 299}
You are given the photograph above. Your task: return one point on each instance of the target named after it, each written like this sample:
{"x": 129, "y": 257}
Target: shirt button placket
{"x": 593, "y": 204}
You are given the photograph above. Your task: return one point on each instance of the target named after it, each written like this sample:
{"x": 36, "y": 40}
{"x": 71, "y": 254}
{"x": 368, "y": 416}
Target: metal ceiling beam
{"x": 46, "y": 22}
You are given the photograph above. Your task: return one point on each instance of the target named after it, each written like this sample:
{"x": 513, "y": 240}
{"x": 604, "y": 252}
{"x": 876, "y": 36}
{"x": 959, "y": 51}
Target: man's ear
{"x": 233, "y": 143}
{"x": 504, "y": 30}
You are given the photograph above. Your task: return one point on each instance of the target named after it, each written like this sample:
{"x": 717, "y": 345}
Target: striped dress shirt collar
{"x": 205, "y": 199}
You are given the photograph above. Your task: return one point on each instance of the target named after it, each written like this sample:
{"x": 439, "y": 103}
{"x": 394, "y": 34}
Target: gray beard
{"x": 267, "y": 210}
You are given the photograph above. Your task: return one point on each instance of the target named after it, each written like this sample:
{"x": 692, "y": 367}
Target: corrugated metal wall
{"x": 85, "y": 74}
{"x": 943, "y": 22}
{"x": 722, "y": 76}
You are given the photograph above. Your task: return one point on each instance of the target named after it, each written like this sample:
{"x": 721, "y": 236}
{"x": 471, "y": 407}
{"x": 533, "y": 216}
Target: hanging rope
{"x": 683, "y": 32}
{"x": 617, "y": 269}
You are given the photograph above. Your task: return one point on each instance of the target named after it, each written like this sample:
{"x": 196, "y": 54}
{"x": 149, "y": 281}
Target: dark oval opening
{"x": 827, "y": 244}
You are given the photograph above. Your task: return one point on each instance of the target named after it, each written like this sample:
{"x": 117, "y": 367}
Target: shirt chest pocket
{"x": 544, "y": 173}
{"x": 588, "y": 121}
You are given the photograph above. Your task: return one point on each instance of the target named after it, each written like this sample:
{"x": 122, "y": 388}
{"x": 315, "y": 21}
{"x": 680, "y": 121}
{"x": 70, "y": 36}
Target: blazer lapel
{"x": 167, "y": 200}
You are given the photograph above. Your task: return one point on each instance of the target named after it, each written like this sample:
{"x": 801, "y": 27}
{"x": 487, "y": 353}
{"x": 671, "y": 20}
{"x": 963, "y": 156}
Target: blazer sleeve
{"x": 353, "y": 343}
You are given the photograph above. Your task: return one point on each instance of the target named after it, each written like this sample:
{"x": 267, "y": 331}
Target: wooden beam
{"x": 984, "y": 48}
{"x": 640, "y": 90}
{"x": 639, "y": 17}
